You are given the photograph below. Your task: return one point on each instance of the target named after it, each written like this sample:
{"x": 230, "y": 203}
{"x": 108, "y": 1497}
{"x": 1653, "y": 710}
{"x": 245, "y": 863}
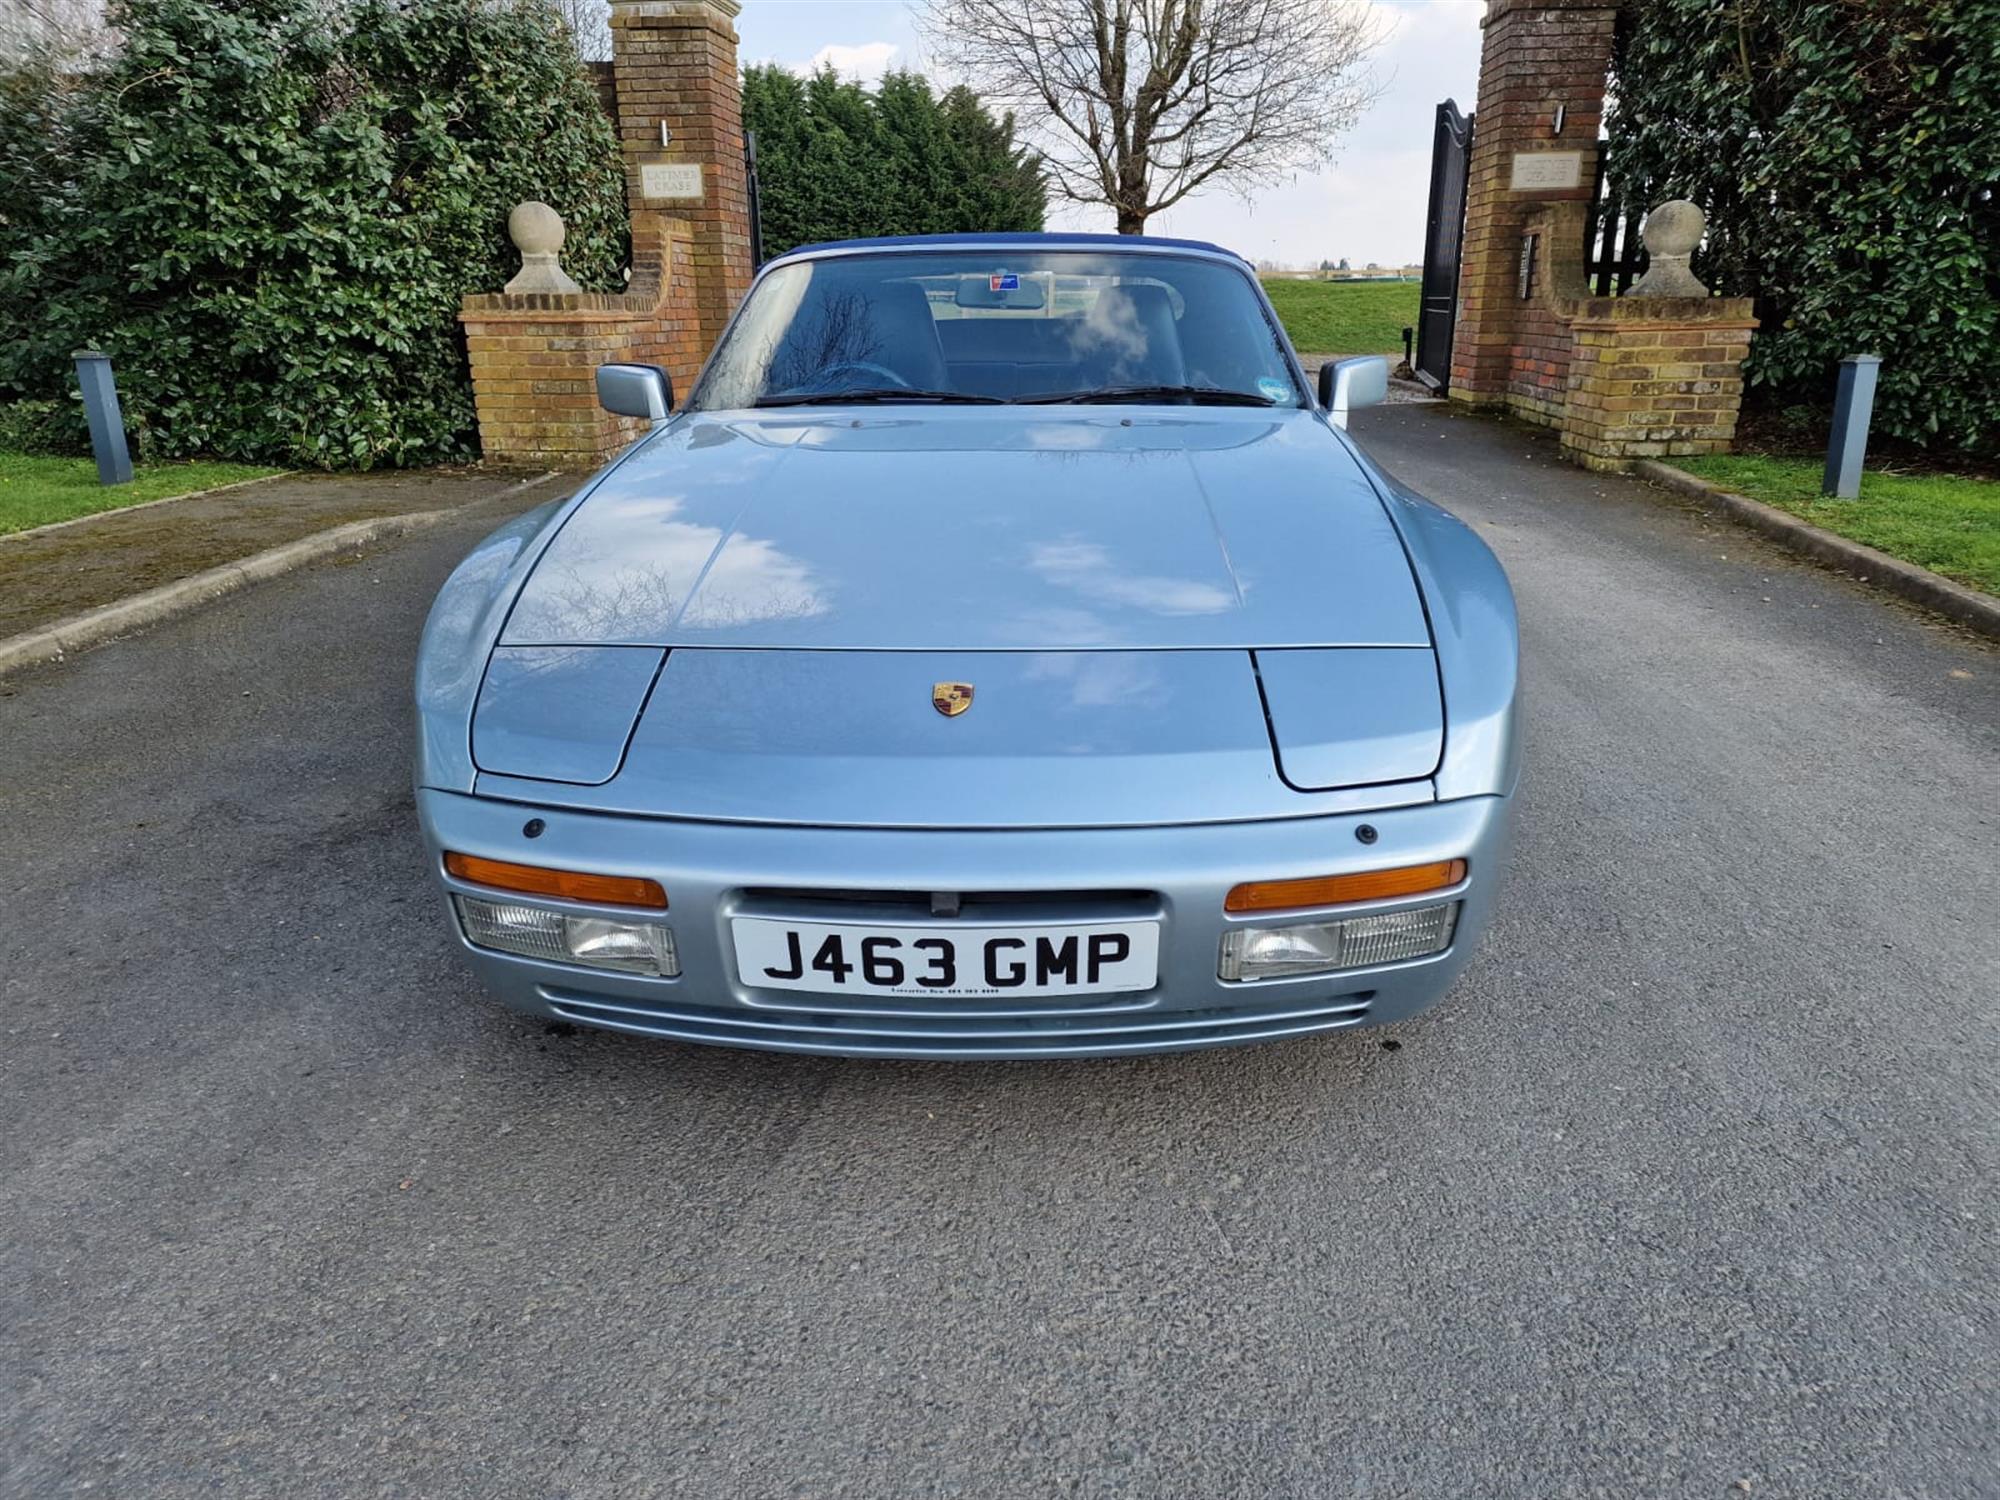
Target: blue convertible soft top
{"x": 892, "y": 242}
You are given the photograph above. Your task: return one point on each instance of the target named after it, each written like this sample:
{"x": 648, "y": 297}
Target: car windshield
{"x": 989, "y": 326}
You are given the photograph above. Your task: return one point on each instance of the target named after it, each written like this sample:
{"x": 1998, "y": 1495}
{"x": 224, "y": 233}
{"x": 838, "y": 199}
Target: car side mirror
{"x": 1348, "y": 384}
{"x": 635, "y": 391}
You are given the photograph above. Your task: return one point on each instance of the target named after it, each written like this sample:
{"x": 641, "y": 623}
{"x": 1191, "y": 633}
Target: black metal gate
{"x": 1444, "y": 234}
{"x": 1613, "y": 257}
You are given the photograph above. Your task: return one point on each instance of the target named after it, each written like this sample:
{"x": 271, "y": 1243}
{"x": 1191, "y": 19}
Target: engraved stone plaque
{"x": 661, "y": 179}
{"x": 1546, "y": 171}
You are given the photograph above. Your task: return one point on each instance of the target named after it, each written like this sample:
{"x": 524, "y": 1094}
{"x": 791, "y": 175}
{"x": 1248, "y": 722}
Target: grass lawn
{"x": 1948, "y": 524}
{"x": 36, "y": 491}
{"x": 1346, "y": 317}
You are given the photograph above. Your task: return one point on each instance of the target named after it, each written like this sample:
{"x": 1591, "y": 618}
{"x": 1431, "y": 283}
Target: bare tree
{"x": 70, "y": 29}
{"x": 589, "y": 21}
{"x": 1138, "y": 103}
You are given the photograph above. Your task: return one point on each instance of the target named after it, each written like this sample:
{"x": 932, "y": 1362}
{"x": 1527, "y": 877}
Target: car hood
{"x": 1041, "y": 739}
{"x": 973, "y": 529}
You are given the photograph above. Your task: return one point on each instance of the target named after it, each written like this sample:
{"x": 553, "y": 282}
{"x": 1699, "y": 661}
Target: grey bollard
{"x": 1853, "y": 405}
{"x": 107, "y": 423}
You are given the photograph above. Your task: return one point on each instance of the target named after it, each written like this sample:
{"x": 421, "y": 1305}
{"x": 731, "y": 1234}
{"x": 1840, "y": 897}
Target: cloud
{"x": 1412, "y": 26}
{"x": 866, "y": 61}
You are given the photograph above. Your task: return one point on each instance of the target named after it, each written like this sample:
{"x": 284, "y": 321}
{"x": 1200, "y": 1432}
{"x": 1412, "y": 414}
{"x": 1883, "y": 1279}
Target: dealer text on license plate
{"x": 842, "y": 958}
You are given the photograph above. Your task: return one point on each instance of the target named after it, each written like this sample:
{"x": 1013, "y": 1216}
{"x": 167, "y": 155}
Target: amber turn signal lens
{"x": 1335, "y": 890}
{"x": 563, "y": 885}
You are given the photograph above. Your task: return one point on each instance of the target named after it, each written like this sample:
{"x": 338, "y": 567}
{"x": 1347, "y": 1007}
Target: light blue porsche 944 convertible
{"x": 1003, "y": 652}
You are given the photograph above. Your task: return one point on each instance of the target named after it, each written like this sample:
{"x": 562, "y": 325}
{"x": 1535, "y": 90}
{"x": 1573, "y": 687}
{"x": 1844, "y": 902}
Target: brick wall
{"x": 604, "y": 78}
{"x": 1653, "y": 377}
{"x": 1621, "y": 377}
{"x": 535, "y": 357}
{"x": 1539, "y": 354}
{"x": 1536, "y": 55}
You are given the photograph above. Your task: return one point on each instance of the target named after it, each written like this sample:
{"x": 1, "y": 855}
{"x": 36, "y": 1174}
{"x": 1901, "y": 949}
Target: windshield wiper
{"x": 878, "y": 393}
{"x": 1198, "y": 395}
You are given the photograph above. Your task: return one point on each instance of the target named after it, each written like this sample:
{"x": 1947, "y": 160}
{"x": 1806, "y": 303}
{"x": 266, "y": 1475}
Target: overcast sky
{"x": 1368, "y": 207}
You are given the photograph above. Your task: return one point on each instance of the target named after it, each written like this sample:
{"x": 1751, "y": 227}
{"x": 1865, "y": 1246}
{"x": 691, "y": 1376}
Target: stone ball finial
{"x": 536, "y": 229}
{"x": 537, "y": 232}
{"x": 1674, "y": 228}
{"x": 1670, "y": 233}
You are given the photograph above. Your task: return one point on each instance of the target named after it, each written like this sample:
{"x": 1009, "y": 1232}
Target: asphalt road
{"x": 1688, "y": 1189}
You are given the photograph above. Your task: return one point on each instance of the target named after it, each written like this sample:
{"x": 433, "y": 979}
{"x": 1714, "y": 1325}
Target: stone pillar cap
{"x": 727, "y": 9}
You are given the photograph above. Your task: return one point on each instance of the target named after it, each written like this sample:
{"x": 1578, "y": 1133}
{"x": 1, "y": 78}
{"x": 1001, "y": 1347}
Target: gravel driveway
{"x": 1687, "y": 1191}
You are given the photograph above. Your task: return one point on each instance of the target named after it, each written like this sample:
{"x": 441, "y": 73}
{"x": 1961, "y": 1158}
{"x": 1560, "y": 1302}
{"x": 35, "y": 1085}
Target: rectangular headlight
{"x": 1325, "y": 947}
{"x": 596, "y": 942}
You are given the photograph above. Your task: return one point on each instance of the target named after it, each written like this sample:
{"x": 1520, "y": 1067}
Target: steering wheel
{"x": 828, "y": 378}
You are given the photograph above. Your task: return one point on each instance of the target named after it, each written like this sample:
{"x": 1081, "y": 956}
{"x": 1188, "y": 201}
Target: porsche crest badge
{"x": 951, "y": 698}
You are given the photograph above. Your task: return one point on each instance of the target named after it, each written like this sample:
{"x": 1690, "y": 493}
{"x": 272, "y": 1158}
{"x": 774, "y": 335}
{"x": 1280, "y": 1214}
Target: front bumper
{"x": 1180, "y": 875}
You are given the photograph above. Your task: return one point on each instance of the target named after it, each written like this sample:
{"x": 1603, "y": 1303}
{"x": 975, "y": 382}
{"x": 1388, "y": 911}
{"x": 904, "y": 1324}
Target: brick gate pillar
{"x": 1541, "y": 61}
{"x": 680, "y": 122}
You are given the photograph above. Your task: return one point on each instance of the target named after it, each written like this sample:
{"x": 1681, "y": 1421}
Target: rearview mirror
{"x": 635, "y": 391}
{"x": 1347, "y": 384}
{"x": 1000, "y": 289}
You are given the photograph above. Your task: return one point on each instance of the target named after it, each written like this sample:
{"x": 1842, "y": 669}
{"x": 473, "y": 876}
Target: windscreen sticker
{"x": 1005, "y": 281}
{"x": 1276, "y": 389}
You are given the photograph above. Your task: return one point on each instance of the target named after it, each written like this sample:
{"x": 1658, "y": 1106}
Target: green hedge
{"x": 835, "y": 161}
{"x": 1847, "y": 153}
{"x": 267, "y": 212}
{"x": 55, "y": 429}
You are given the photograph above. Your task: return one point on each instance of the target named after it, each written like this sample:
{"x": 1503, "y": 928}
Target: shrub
{"x": 266, "y": 212}
{"x": 1846, "y": 155}
{"x": 53, "y": 429}
{"x": 837, "y": 162}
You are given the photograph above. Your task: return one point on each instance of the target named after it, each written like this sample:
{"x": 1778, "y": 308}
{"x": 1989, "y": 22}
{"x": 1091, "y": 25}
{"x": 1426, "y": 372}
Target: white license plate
{"x": 947, "y": 962}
